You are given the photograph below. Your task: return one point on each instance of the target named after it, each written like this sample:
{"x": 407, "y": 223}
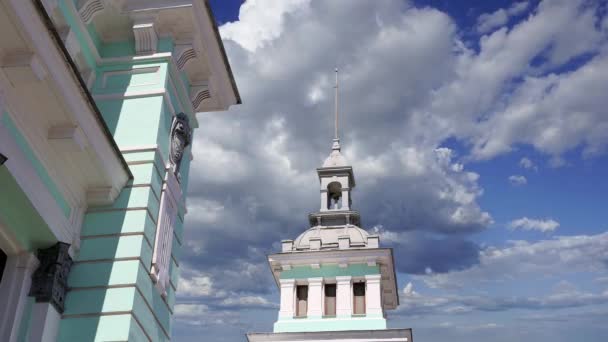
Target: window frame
{"x": 297, "y": 312}
{"x": 364, "y": 286}
{"x": 325, "y": 299}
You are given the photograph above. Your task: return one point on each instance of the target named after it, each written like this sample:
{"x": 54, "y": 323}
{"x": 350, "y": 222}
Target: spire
{"x": 336, "y": 144}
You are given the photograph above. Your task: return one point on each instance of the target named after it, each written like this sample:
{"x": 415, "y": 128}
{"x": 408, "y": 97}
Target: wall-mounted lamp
{"x": 3, "y": 159}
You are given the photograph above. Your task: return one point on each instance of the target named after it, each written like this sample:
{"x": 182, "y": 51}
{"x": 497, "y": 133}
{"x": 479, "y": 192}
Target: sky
{"x": 478, "y": 134}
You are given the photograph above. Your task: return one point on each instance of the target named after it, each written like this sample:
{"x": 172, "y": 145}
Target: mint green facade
{"x": 112, "y": 295}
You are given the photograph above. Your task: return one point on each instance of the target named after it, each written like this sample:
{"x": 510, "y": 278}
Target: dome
{"x": 335, "y": 159}
{"x": 329, "y": 237}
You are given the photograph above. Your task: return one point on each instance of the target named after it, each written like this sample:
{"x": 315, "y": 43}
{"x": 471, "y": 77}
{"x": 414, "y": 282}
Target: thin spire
{"x": 336, "y": 144}
{"x": 336, "y": 108}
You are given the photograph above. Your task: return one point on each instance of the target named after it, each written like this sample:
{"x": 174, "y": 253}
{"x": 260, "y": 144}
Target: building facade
{"x": 336, "y": 283}
{"x": 98, "y": 103}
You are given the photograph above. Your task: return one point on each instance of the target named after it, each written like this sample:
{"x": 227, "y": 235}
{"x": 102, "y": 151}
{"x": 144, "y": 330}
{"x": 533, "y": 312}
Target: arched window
{"x": 334, "y": 195}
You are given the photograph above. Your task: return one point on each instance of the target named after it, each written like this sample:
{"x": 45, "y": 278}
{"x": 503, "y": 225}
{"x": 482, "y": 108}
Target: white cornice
{"x": 67, "y": 88}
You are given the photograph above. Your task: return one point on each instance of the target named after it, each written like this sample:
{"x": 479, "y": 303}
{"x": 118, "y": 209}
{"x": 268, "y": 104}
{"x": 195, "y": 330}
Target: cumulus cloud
{"x": 518, "y": 180}
{"x": 524, "y": 223}
{"x": 409, "y": 83}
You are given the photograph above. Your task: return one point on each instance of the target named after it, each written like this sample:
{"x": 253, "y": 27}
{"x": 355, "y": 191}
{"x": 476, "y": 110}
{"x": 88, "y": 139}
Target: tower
{"x": 335, "y": 281}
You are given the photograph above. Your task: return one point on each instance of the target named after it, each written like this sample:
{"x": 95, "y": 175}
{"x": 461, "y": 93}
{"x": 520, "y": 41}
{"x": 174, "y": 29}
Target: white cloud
{"x": 260, "y": 21}
{"x": 524, "y": 223}
{"x": 199, "y": 286}
{"x": 248, "y": 301}
{"x": 190, "y": 310}
{"x": 410, "y": 82}
{"x": 553, "y": 257}
{"x": 457, "y": 304}
{"x": 527, "y": 164}
{"x": 518, "y": 180}
{"x": 489, "y": 21}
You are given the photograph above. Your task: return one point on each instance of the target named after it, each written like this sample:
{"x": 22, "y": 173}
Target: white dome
{"x": 335, "y": 159}
{"x": 329, "y": 237}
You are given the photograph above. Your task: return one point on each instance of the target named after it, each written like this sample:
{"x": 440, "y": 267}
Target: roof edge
{"x": 216, "y": 31}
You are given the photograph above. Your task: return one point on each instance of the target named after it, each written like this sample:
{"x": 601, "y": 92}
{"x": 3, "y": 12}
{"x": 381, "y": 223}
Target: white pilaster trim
{"x": 315, "y": 297}
{"x": 13, "y": 293}
{"x": 344, "y": 296}
{"x": 373, "y": 294}
{"x": 287, "y": 305}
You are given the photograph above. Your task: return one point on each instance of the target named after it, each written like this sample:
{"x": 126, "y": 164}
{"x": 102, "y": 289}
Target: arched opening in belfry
{"x": 334, "y": 195}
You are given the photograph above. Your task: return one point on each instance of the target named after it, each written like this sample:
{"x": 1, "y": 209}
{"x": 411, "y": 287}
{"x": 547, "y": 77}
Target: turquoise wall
{"x": 329, "y": 271}
{"x": 112, "y": 296}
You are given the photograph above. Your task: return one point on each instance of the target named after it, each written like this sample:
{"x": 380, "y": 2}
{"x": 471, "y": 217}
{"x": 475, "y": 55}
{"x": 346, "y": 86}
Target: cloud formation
{"x": 489, "y": 21}
{"x": 524, "y": 223}
{"x": 410, "y": 85}
{"x": 518, "y": 180}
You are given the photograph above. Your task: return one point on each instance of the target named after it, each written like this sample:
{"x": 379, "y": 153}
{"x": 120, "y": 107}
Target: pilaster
{"x": 287, "y": 299}
{"x": 15, "y": 286}
{"x": 315, "y": 298}
{"x": 373, "y": 295}
{"x": 344, "y": 297}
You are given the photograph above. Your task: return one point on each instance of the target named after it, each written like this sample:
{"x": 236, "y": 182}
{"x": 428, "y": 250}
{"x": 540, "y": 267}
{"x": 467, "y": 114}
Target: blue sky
{"x": 477, "y": 131}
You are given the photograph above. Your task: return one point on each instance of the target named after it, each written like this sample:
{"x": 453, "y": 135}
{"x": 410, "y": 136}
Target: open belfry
{"x": 336, "y": 283}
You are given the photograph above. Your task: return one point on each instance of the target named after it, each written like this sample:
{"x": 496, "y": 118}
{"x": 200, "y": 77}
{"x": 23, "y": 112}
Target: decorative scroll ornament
{"x": 181, "y": 137}
{"x": 50, "y": 280}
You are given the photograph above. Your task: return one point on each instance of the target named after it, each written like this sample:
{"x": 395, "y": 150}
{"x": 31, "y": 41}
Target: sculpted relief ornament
{"x": 50, "y": 280}
{"x": 181, "y": 138}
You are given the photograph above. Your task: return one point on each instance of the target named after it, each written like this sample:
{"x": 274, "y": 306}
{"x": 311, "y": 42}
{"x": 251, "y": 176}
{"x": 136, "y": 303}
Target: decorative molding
{"x": 135, "y": 71}
{"x": 199, "y": 93}
{"x": 50, "y": 280}
{"x": 35, "y": 189}
{"x": 146, "y": 39}
{"x": 23, "y": 67}
{"x": 69, "y": 136}
{"x": 35, "y": 30}
{"x": 183, "y": 54}
{"x": 101, "y": 195}
{"x": 131, "y": 94}
{"x": 161, "y": 258}
{"x": 88, "y": 9}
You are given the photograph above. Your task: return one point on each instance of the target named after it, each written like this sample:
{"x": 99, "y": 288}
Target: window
{"x": 359, "y": 298}
{"x": 3, "y": 258}
{"x": 301, "y": 300}
{"x": 330, "y": 299}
